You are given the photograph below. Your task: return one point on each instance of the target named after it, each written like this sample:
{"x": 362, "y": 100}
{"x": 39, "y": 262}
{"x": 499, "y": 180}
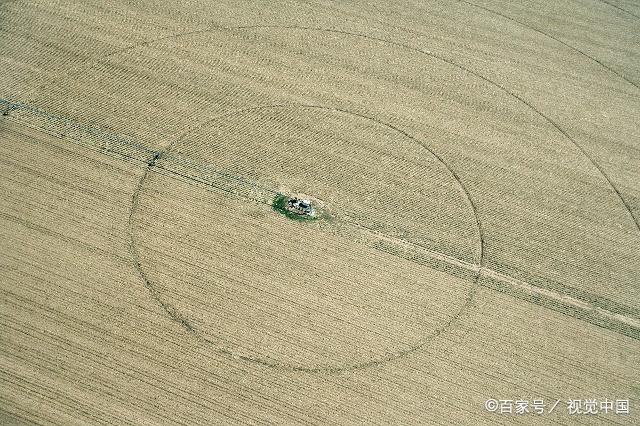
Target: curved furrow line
{"x": 619, "y": 8}
{"x": 564, "y": 43}
{"x": 178, "y": 318}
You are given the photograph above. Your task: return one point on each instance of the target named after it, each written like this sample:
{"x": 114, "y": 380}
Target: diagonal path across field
{"x": 215, "y": 179}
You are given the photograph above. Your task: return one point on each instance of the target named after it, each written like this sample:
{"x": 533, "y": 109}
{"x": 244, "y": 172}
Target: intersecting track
{"x": 213, "y": 179}
{"x": 163, "y": 161}
{"x": 216, "y": 180}
{"x": 556, "y": 39}
{"x": 86, "y": 65}
{"x": 241, "y": 187}
{"x": 565, "y": 135}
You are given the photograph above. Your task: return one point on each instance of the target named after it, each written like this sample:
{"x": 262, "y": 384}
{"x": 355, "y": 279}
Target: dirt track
{"x": 478, "y": 162}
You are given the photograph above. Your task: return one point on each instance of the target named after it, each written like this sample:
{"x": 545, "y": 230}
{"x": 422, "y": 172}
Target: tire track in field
{"x": 412, "y": 31}
{"x": 619, "y": 8}
{"x": 546, "y": 118}
{"x": 628, "y": 325}
{"x": 545, "y": 34}
{"x": 150, "y": 158}
{"x": 625, "y": 203}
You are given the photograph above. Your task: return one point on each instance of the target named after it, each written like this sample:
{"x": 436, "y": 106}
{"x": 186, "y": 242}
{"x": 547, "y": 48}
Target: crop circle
{"x": 316, "y": 295}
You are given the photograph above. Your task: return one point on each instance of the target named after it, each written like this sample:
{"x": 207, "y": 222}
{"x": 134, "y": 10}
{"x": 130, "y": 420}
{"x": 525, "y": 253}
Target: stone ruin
{"x": 300, "y": 206}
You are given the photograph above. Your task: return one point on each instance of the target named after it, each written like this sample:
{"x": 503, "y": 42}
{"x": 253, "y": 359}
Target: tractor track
{"x": 626, "y": 323}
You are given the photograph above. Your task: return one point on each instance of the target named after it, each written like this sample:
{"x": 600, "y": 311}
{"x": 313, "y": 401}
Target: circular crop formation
{"x": 308, "y": 295}
{"x": 262, "y": 120}
{"x": 312, "y": 186}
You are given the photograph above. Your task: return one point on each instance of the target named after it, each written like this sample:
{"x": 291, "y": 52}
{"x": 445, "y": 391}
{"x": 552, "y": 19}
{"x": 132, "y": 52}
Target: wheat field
{"x": 475, "y": 166}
